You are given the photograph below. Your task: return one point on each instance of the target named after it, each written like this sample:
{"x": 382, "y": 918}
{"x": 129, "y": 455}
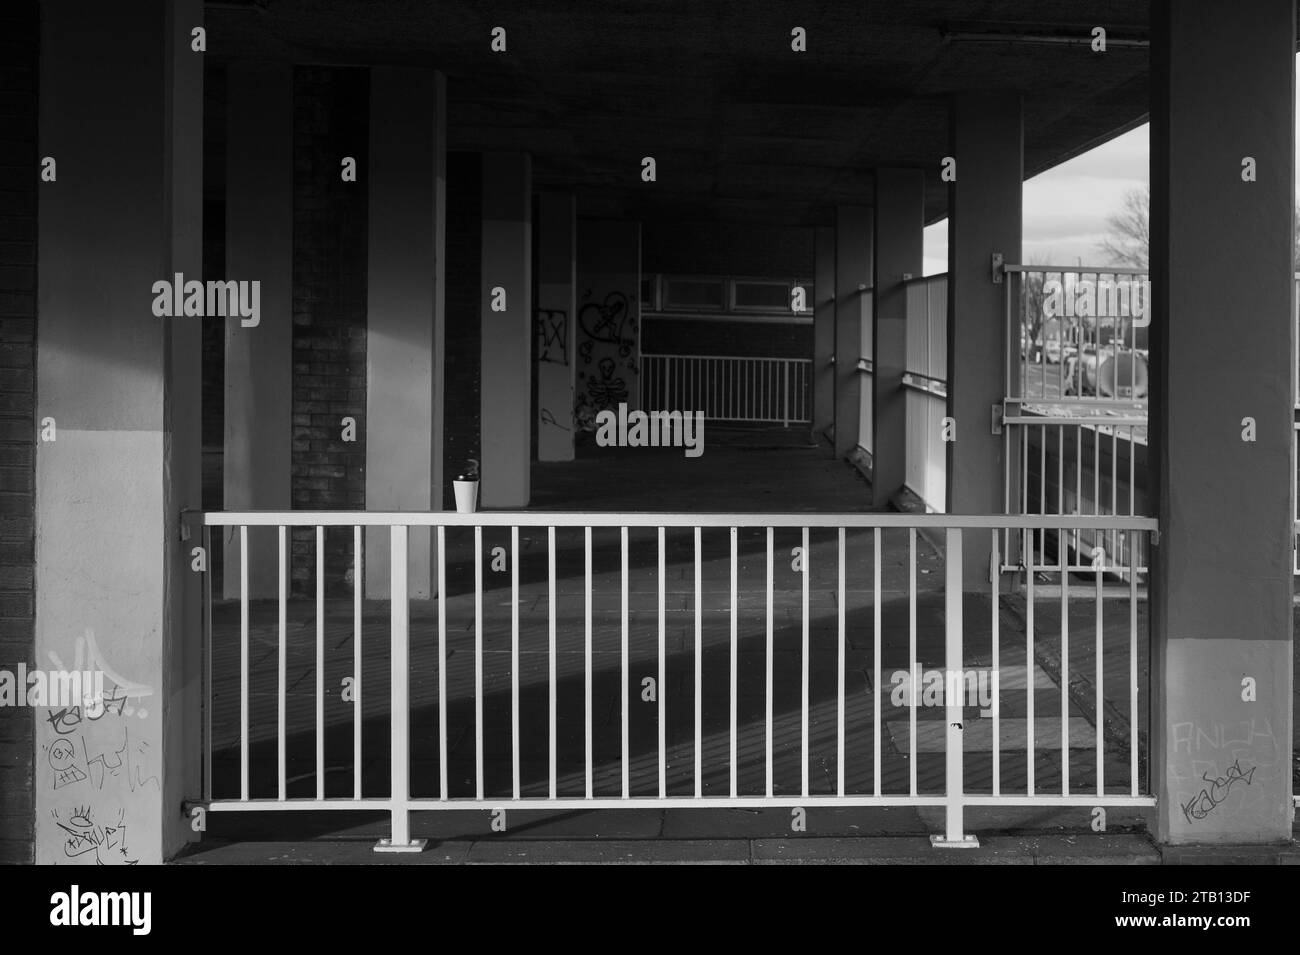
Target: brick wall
{"x": 330, "y": 120}
{"x": 19, "y": 164}
{"x": 719, "y": 248}
{"x": 464, "y": 323}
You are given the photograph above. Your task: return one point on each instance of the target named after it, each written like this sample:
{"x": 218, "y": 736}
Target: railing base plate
{"x": 387, "y": 845}
{"x": 965, "y": 842}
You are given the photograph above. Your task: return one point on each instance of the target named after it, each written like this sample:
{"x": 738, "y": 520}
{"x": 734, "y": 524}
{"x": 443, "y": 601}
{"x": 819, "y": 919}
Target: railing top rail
{"x": 921, "y": 374}
{"x": 727, "y": 357}
{"x": 1081, "y": 269}
{"x": 651, "y": 519}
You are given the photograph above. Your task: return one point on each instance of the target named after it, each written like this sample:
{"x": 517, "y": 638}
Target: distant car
{"x": 1111, "y": 372}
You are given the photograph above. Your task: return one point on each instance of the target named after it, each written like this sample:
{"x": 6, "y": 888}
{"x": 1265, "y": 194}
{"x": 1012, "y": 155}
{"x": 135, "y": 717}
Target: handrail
{"x": 652, "y": 519}
{"x": 917, "y": 279}
{"x": 1081, "y": 269}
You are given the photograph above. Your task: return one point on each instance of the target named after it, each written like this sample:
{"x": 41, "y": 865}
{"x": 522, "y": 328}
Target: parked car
{"x": 1109, "y": 372}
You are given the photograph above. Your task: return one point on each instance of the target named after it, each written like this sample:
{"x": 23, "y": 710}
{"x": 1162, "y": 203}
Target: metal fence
{"x": 1074, "y": 419}
{"x": 728, "y": 388}
{"x": 543, "y": 705}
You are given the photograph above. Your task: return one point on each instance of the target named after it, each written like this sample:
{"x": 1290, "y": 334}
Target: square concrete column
{"x": 115, "y": 588}
{"x": 1223, "y": 293}
{"x": 853, "y": 263}
{"x": 824, "y": 332}
{"x": 259, "y": 358}
{"x": 984, "y": 218}
{"x": 899, "y": 250}
{"x": 404, "y": 313}
{"x": 507, "y": 317}
{"x": 557, "y": 279}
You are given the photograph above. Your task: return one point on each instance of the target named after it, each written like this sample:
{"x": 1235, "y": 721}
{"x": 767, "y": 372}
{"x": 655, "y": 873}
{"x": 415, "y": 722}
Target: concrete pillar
{"x": 507, "y": 316}
{"x": 898, "y": 246}
{"x": 115, "y": 587}
{"x": 1222, "y": 340}
{"x": 557, "y": 279}
{"x": 824, "y": 332}
{"x": 259, "y": 359}
{"x": 404, "y": 312}
{"x": 984, "y": 218}
{"x": 853, "y": 263}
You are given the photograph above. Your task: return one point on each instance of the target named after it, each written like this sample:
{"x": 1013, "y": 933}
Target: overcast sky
{"x": 1066, "y": 207}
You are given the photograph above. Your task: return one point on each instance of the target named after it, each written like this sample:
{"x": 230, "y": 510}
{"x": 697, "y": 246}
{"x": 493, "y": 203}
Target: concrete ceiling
{"x": 742, "y": 128}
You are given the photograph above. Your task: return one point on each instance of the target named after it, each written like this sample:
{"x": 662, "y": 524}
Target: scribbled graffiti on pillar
{"x": 610, "y": 321}
{"x": 607, "y": 349}
{"x": 89, "y": 840}
{"x": 552, "y": 329}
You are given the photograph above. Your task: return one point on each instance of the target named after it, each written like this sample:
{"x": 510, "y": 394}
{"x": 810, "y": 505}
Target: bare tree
{"x": 1128, "y": 242}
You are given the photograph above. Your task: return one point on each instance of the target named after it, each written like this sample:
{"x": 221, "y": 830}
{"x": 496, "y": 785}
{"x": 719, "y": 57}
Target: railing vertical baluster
{"x": 400, "y": 700}
{"x": 586, "y": 540}
{"x": 282, "y": 665}
{"x": 1133, "y": 669}
{"x": 699, "y": 664}
{"x": 954, "y": 686}
{"x": 442, "y": 662}
{"x": 839, "y": 674}
{"x": 735, "y": 647}
{"x": 770, "y": 649}
{"x": 626, "y": 786}
{"x": 1027, "y": 537}
{"x": 913, "y": 663}
{"x": 995, "y": 675}
{"x": 785, "y": 394}
{"x": 875, "y": 686}
{"x": 804, "y": 676}
{"x": 1098, "y": 704}
{"x": 661, "y": 684}
{"x": 320, "y": 661}
{"x": 1065, "y": 670}
{"x": 1029, "y": 670}
{"x": 552, "y": 689}
{"x": 243, "y": 662}
{"x": 1096, "y": 474}
{"x": 1114, "y": 481}
{"x": 207, "y": 666}
{"x": 1132, "y": 508}
{"x": 358, "y": 578}
{"x": 1042, "y": 490}
{"x": 478, "y": 662}
{"x": 1060, "y": 469}
{"x": 514, "y": 661}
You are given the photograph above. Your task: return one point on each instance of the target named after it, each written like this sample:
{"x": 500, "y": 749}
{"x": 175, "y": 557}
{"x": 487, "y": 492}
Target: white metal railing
{"x": 1074, "y": 419}
{"x": 846, "y": 727}
{"x": 729, "y": 388}
{"x": 927, "y": 389}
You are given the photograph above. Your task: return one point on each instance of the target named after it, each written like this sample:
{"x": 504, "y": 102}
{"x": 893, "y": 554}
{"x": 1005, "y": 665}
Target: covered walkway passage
{"x": 338, "y": 255}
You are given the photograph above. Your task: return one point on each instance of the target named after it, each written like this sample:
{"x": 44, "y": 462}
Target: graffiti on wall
{"x": 607, "y": 334}
{"x": 551, "y": 326}
{"x": 98, "y": 763}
